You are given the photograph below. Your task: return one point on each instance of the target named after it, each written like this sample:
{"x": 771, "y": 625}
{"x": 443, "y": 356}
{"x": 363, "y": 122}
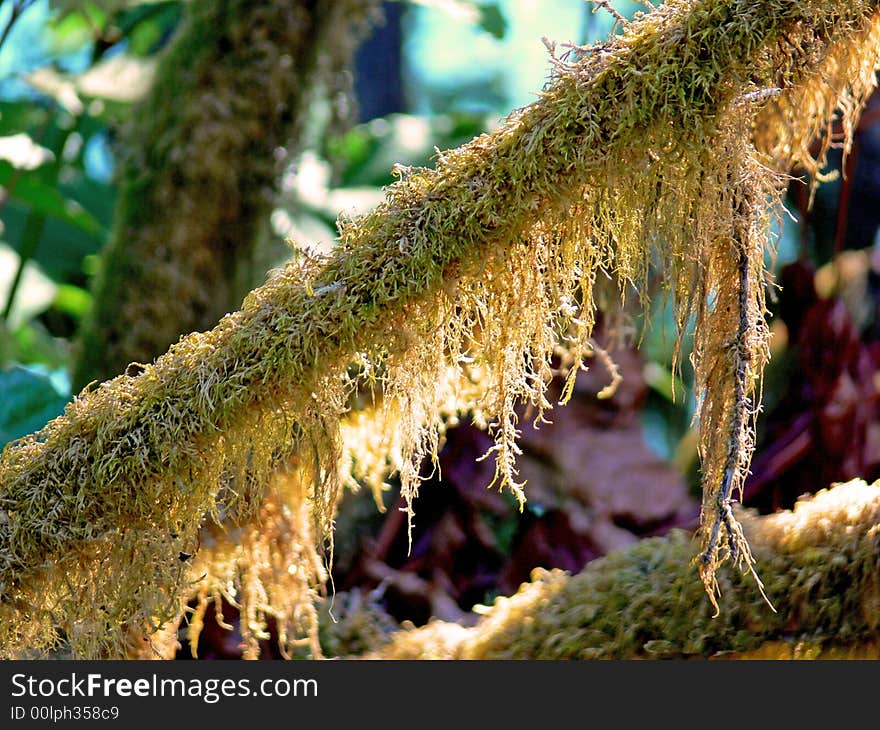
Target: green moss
{"x": 645, "y": 602}
{"x": 455, "y": 294}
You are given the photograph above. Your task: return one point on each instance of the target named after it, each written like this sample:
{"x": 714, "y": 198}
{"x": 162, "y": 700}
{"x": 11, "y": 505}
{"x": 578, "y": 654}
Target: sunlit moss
{"x": 820, "y": 562}
{"x": 455, "y": 294}
{"x": 267, "y": 568}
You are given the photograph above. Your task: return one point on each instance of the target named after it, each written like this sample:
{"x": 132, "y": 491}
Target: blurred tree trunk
{"x": 202, "y": 155}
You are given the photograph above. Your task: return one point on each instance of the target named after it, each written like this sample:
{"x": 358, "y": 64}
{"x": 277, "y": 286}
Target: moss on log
{"x": 821, "y": 567}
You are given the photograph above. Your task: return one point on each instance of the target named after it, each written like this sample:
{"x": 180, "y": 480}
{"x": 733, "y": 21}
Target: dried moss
{"x": 455, "y": 293}
{"x": 820, "y": 562}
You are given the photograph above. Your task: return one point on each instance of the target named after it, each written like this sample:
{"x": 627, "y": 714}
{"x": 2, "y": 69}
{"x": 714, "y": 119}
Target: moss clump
{"x": 454, "y": 293}
{"x": 820, "y": 563}
{"x": 353, "y": 623}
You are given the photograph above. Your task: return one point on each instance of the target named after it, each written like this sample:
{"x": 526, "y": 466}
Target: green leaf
{"x": 62, "y": 246}
{"x": 73, "y": 25}
{"x": 147, "y": 27}
{"x": 28, "y": 400}
{"x": 21, "y": 116}
{"x": 45, "y": 199}
{"x": 33, "y": 344}
{"x": 72, "y": 300}
{"x": 492, "y": 20}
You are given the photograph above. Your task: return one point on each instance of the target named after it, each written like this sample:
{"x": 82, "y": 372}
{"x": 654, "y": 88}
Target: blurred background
{"x": 433, "y": 74}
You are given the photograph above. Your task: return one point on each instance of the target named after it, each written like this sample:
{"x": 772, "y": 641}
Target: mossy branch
{"x": 455, "y": 291}
{"x": 199, "y": 162}
{"x": 820, "y": 563}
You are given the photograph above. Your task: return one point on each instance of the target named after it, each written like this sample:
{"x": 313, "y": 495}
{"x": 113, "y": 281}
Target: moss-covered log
{"x": 820, "y": 563}
{"x": 201, "y": 162}
{"x": 455, "y": 291}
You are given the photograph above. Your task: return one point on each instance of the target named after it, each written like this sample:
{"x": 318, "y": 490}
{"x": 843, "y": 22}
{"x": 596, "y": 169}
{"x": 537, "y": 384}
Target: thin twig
{"x": 738, "y": 419}
{"x": 736, "y": 466}
{"x": 18, "y": 9}
{"x": 618, "y": 18}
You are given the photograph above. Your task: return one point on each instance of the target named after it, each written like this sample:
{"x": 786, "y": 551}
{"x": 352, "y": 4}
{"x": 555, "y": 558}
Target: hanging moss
{"x": 820, "y": 562}
{"x": 453, "y": 294}
{"x": 196, "y": 187}
{"x": 201, "y": 160}
{"x": 267, "y": 568}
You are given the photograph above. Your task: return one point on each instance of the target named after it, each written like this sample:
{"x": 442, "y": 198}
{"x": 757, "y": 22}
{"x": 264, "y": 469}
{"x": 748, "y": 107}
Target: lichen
{"x": 455, "y": 295}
